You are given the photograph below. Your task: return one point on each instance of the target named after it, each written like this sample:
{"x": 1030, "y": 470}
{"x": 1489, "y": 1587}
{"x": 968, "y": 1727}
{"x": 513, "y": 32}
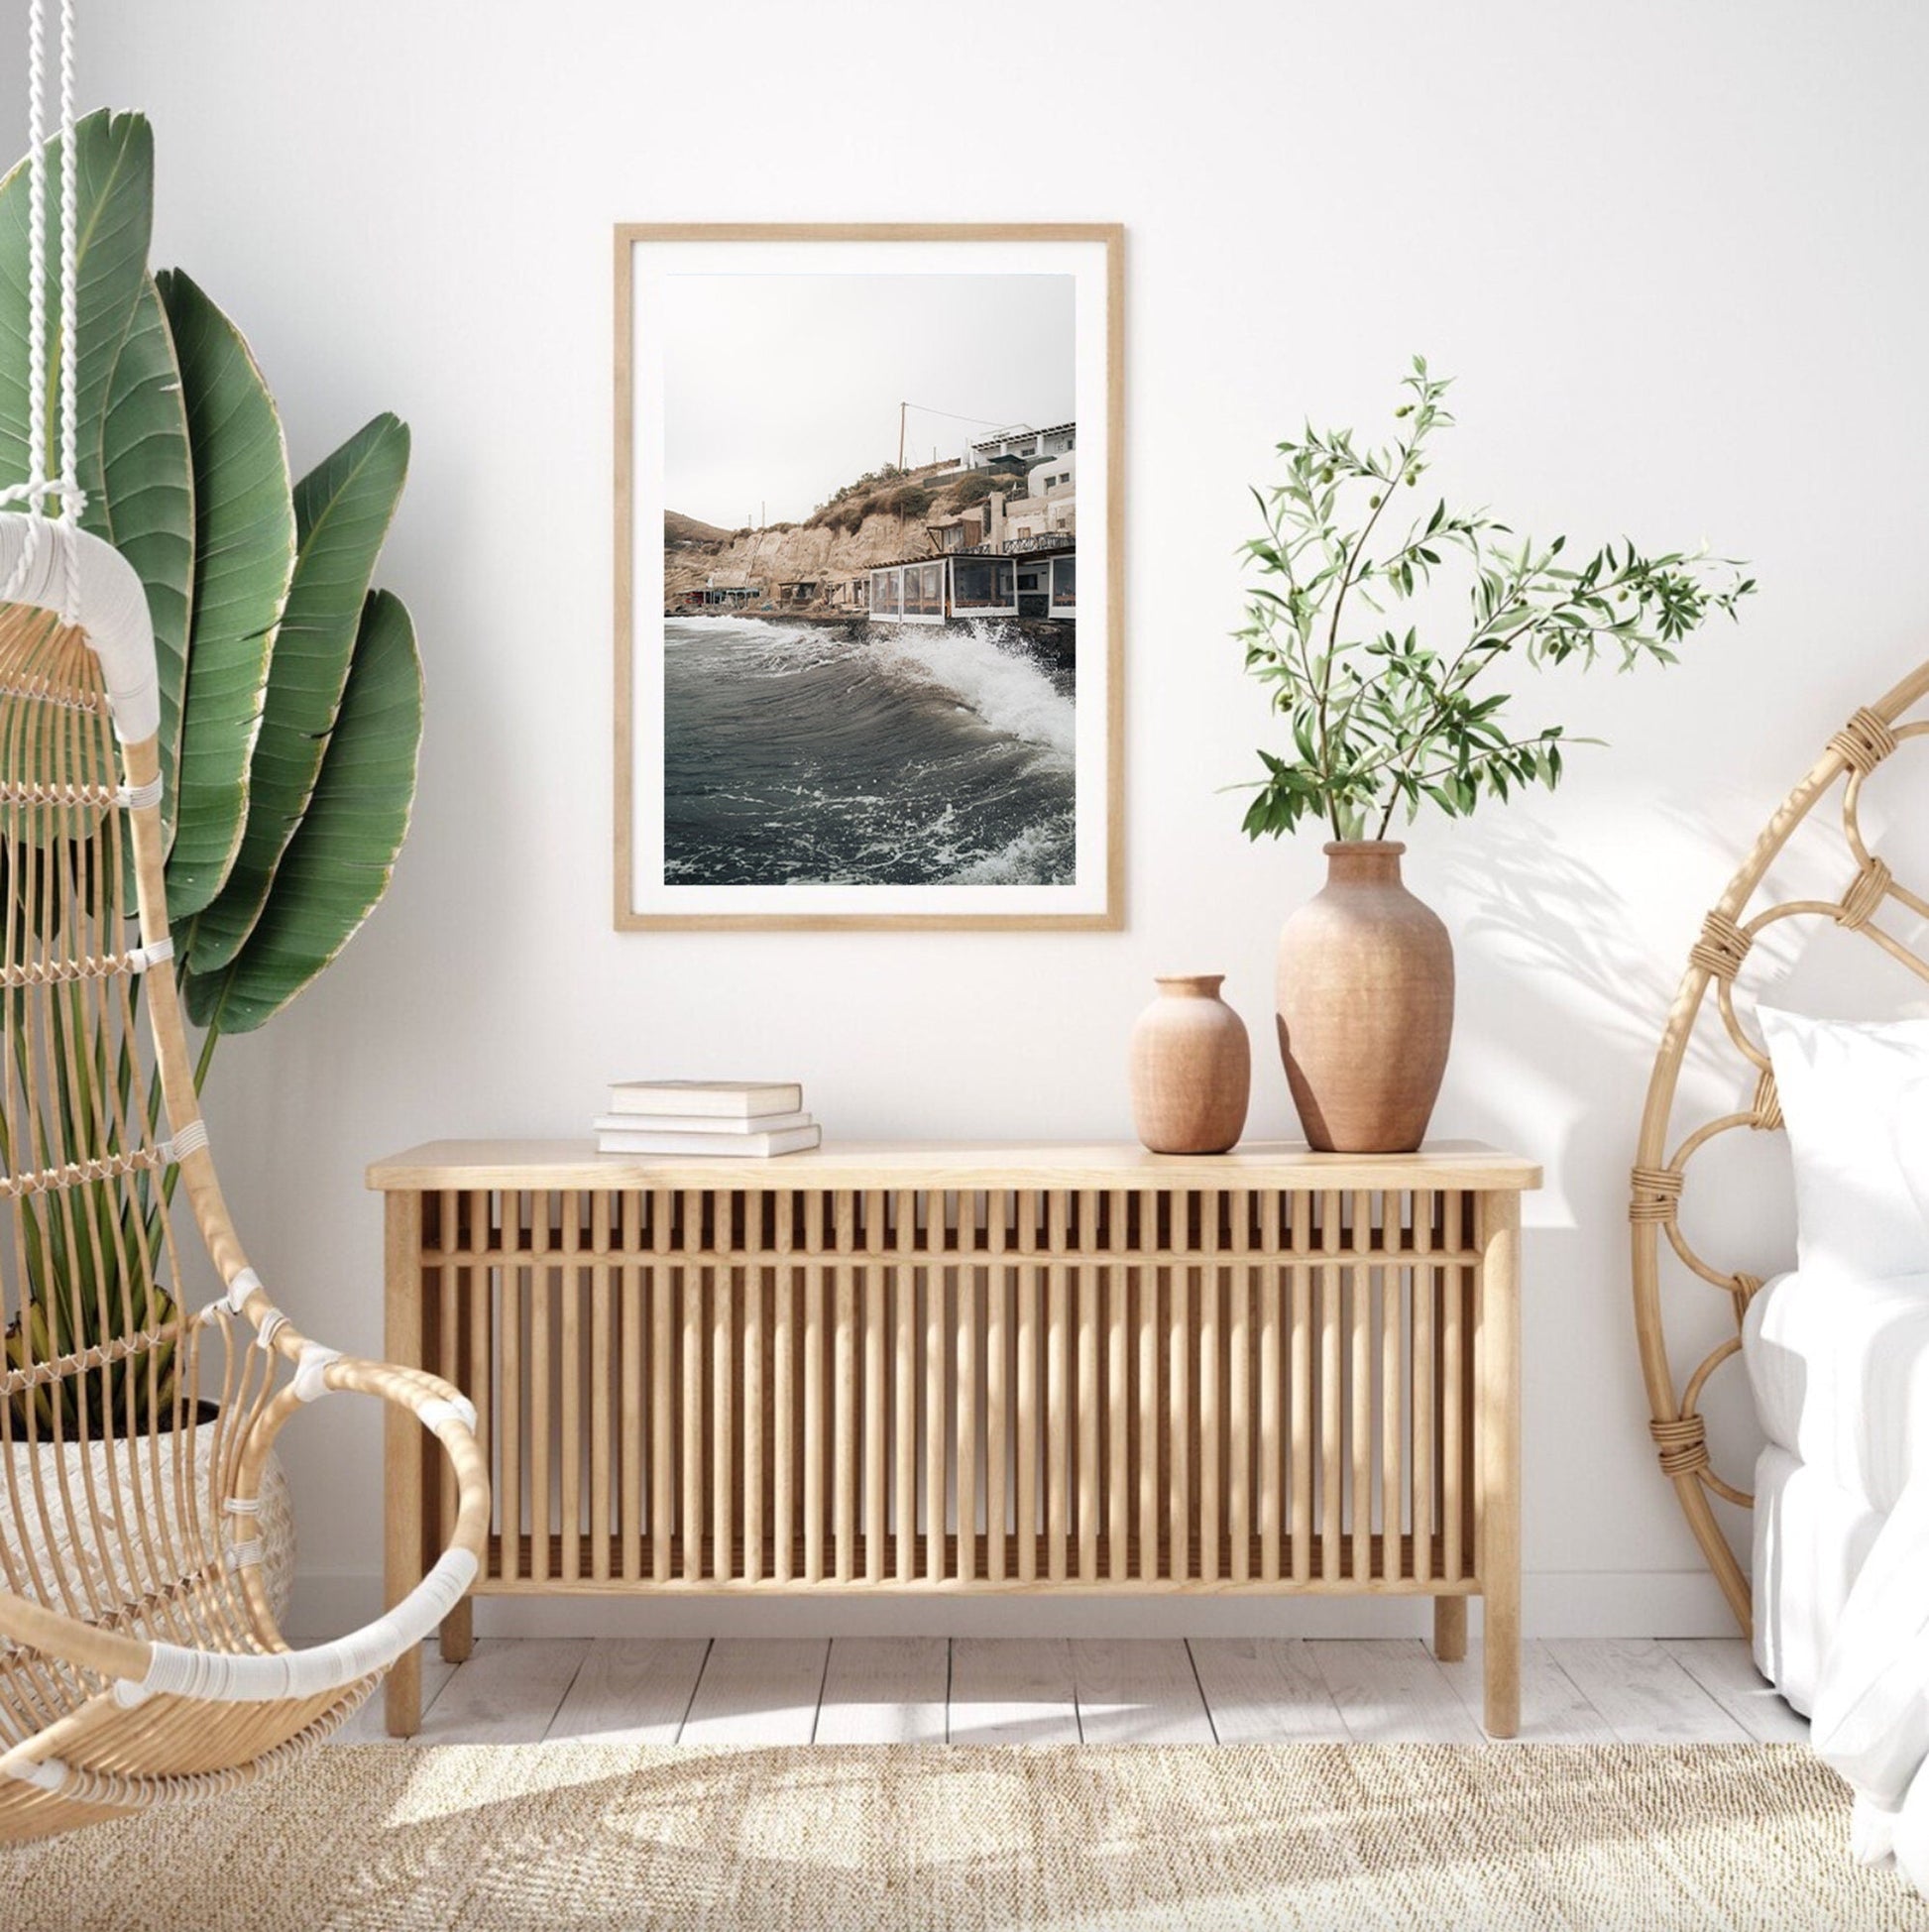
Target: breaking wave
{"x": 909, "y": 755}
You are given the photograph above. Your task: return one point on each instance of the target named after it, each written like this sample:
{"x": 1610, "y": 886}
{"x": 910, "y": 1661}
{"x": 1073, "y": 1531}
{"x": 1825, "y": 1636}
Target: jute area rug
{"x": 541, "y": 1836}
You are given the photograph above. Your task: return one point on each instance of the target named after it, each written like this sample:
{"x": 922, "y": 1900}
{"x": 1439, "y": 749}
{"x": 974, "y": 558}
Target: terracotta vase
{"x": 1191, "y": 1068}
{"x": 1365, "y": 997}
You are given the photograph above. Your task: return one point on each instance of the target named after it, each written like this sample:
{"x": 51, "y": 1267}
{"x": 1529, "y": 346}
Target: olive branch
{"x": 1381, "y": 719}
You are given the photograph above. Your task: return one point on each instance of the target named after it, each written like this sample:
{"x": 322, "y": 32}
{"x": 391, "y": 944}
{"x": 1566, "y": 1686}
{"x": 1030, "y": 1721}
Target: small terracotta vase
{"x": 1365, "y": 997}
{"x": 1191, "y": 1068}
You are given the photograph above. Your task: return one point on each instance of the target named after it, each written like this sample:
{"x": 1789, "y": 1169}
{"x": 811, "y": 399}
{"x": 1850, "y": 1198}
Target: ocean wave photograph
{"x": 860, "y": 687}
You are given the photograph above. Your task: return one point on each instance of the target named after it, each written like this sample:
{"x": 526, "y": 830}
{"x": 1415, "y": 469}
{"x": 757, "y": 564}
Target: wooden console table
{"x": 963, "y": 1369}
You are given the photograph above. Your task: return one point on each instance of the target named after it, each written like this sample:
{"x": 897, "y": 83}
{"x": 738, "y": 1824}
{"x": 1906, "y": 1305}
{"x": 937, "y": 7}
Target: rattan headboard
{"x": 1661, "y": 1169}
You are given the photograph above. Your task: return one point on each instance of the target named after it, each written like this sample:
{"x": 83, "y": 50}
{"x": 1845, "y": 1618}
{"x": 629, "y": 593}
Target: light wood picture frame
{"x": 854, "y": 689}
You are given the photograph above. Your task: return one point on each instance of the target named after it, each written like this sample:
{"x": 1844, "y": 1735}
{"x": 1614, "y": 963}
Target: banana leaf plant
{"x": 290, "y": 687}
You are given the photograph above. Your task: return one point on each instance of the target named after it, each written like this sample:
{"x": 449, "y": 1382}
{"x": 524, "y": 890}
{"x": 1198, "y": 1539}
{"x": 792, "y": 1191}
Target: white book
{"x": 713, "y": 1099}
{"x": 742, "y": 1147}
{"x": 695, "y": 1123}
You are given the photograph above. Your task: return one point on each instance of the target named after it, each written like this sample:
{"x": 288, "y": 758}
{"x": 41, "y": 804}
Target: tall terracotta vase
{"x": 1365, "y": 996}
{"x": 1191, "y": 1068}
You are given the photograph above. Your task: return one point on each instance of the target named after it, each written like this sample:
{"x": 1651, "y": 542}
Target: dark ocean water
{"x": 914, "y": 756}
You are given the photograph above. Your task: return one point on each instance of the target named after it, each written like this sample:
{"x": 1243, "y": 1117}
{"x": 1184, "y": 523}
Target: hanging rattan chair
{"x": 139, "y": 1653}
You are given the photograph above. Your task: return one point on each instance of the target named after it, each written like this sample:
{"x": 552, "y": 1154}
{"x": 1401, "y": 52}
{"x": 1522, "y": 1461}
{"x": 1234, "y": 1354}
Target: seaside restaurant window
{"x": 1065, "y": 587}
{"x": 983, "y": 587}
{"x": 887, "y": 593}
{"x": 924, "y": 593}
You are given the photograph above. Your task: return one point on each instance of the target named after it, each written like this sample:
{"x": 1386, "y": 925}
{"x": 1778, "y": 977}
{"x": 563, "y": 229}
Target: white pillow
{"x": 1855, "y": 1098}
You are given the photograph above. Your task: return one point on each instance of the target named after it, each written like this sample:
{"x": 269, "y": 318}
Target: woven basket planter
{"x": 104, "y": 1526}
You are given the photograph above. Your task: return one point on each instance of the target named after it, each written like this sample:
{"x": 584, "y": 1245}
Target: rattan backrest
{"x": 1705, "y": 1009}
{"x": 109, "y": 1474}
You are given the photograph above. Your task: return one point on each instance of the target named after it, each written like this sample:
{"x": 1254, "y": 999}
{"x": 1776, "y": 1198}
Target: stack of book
{"x": 743, "y": 1119}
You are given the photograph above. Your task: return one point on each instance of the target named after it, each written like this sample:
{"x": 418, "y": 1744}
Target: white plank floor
{"x": 999, "y": 1691}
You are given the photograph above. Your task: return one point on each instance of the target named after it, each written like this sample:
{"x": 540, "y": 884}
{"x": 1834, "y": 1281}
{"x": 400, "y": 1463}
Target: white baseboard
{"x": 1556, "y": 1604}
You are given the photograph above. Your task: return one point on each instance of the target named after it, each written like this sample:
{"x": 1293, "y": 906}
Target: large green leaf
{"x": 342, "y": 511}
{"x": 340, "y": 860}
{"x": 115, "y": 213}
{"x": 145, "y": 507}
{"x": 244, "y": 555}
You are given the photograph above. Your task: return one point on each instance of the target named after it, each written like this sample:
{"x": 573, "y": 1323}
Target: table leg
{"x": 403, "y": 1443}
{"x": 1497, "y": 1347}
{"x": 1449, "y": 1629}
{"x": 458, "y": 1633}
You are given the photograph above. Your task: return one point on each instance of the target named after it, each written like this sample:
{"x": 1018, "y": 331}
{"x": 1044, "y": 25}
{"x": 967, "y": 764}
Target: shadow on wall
{"x": 1578, "y": 999}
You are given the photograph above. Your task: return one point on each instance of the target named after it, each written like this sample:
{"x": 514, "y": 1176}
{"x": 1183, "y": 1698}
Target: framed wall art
{"x": 868, "y": 573}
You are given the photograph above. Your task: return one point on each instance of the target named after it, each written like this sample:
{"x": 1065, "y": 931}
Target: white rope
{"x": 311, "y": 1369}
{"x": 71, "y": 500}
{"x": 35, "y": 251}
{"x": 277, "y": 1674}
{"x": 34, "y": 491}
{"x": 48, "y": 1774}
{"x": 433, "y": 1414}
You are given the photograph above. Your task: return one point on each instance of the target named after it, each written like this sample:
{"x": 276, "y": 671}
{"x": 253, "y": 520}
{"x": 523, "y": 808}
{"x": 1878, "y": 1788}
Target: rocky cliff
{"x": 782, "y": 556}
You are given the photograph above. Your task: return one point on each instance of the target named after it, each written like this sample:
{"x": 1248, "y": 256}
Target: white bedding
{"x": 1840, "y": 1377}
{"x": 1871, "y": 1714}
{"x": 1839, "y": 1371}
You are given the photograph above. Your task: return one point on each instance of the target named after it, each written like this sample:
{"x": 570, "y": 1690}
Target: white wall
{"x": 1673, "y": 252}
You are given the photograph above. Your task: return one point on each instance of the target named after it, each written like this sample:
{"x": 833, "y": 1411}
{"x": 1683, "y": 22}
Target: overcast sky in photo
{"x": 779, "y": 389}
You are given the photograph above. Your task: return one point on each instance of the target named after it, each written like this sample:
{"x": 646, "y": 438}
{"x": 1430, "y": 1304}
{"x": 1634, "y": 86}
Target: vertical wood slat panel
{"x": 449, "y": 1333}
{"x": 752, "y": 1277}
{"x": 936, "y": 1354}
{"x": 1300, "y": 1411}
{"x": 689, "y": 1277}
{"x": 1360, "y": 1370}
{"x": 512, "y": 1400}
{"x": 1310, "y": 1395}
{"x": 1425, "y": 1411}
{"x": 1025, "y": 1417}
{"x": 723, "y": 1399}
{"x": 1271, "y": 1487}
{"x": 814, "y": 1444}
{"x": 968, "y": 1277}
{"x": 905, "y": 1292}
{"x": 1240, "y": 1424}
{"x": 1211, "y": 1420}
{"x": 662, "y": 1459}
{"x": 1466, "y": 1278}
{"x": 1178, "y": 1421}
{"x": 1058, "y": 1419}
{"x": 876, "y": 1467}
{"x": 597, "y": 1369}
{"x": 1118, "y": 1392}
{"x": 1453, "y": 1422}
{"x": 843, "y": 1434}
{"x": 569, "y": 1348}
{"x": 541, "y": 1318}
{"x": 783, "y": 1395}
{"x": 1332, "y": 1413}
{"x": 1392, "y": 1408}
{"x": 997, "y": 1341}
{"x": 1145, "y": 1280}
{"x": 536, "y": 1298}
{"x": 1087, "y": 1279}
{"x": 483, "y": 1348}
